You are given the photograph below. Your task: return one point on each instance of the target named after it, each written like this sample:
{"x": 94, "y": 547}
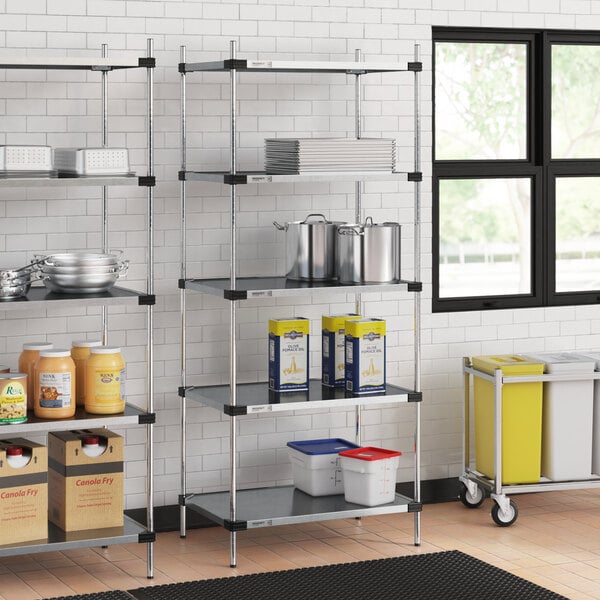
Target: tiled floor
{"x": 555, "y": 543}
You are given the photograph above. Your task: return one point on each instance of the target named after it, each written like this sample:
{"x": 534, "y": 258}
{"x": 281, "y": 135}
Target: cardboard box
{"x": 334, "y": 348}
{"x": 365, "y": 356}
{"x": 85, "y": 492}
{"x": 288, "y": 354}
{"x": 23, "y": 494}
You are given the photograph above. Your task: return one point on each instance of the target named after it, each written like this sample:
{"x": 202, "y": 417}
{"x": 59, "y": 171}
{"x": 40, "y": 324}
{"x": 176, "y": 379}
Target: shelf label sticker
{"x": 260, "y": 178}
{"x": 257, "y": 409}
{"x": 256, "y": 64}
{"x": 260, "y": 294}
{"x": 261, "y": 523}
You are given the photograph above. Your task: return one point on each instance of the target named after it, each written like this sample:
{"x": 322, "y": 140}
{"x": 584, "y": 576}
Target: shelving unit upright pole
{"x": 417, "y": 297}
{"x": 182, "y": 297}
{"x": 232, "y": 311}
{"x": 104, "y": 143}
{"x": 358, "y": 305}
{"x": 150, "y": 307}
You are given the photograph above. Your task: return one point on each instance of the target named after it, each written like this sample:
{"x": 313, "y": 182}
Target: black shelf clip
{"x": 147, "y": 181}
{"x": 147, "y": 61}
{"x": 415, "y": 176}
{"x": 235, "y": 525}
{"x": 148, "y": 536}
{"x": 147, "y": 300}
{"x": 415, "y": 396}
{"x": 415, "y": 66}
{"x": 235, "y": 294}
{"x": 415, "y": 507}
{"x": 147, "y": 419}
{"x": 415, "y": 286}
{"x": 181, "y": 284}
{"x": 181, "y": 175}
{"x": 235, "y": 411}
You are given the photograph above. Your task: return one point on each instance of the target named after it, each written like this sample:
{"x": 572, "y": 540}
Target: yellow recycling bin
{"x": 521, "y": 419}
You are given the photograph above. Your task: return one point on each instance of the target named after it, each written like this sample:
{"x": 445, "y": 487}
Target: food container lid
{"x": 14, "y": 451}
{"x": 86, "y": 344}
{"x": 55, "y": 353}
{"x": 37, "y": 346}
{"x": 13, "y": 375}
{"x": 370, "y": 453}
{"x": 326, "y": 446}
{"x": 91, "y": 440}
{"x": 105, "y": 350}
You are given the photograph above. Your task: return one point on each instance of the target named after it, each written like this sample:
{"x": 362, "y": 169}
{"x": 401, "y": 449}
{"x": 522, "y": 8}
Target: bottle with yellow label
{"x": 54, "y": 391}
{"x": 80, "y": 352}
{"x": 27, "y": 359}
{"x": 13, "y": 398}
{"x": 105, "y": 381}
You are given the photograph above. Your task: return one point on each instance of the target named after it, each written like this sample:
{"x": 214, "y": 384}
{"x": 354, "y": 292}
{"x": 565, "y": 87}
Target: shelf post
{"x": 150, "y": 308}
{"x": 232, "y": 313}
{"x": 182, "y": 298}
{"x": 358, "y": 305}
{"x": 417, "y": 298}
{"x": 104, "y": 143}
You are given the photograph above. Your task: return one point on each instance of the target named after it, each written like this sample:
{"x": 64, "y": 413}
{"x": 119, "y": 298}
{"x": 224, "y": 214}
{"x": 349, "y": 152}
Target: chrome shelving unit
{"x": 39, "y": 296}
{"x": 240, "y": 509}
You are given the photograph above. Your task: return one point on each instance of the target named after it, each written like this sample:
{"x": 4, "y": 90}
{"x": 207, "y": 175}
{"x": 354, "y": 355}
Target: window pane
{"x": 485, "y": 237}
{"x": 575, "y": 108}
{"x": 577, "y": 234}
{"x": 480, "y": 101}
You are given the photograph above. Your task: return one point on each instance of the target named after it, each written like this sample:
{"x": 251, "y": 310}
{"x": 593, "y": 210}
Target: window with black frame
{"x": 516, "y": 219}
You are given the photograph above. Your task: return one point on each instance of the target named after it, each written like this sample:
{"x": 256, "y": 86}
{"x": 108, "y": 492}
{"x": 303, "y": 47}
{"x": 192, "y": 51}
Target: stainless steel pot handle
{"x": 280, "y": 227}
{"x": 369, "y": 222}
{"x": 325, "y": 220}
{"x": 350, "y": 230}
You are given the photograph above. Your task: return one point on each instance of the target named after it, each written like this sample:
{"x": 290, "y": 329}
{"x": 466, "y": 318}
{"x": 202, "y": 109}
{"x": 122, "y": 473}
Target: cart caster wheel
{"x": 505, "y": 519}
{"x": 470, "y": 500}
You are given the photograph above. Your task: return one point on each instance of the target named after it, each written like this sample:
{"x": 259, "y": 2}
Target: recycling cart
{"x": 476, "y": 485}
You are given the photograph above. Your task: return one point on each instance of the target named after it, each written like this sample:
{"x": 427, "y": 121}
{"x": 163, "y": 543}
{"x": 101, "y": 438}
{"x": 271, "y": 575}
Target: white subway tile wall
{"x": 62, "y": 108}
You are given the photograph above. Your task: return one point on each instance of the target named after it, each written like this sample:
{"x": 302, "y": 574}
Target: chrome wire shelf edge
{"x": 266, "y": 287}
{"x": 131, "y": 416}
{"x": 283, "y": 66}
{"x": 257, "y": 398}
{"x": 246, "y": 177}
{"x": 285, "y": 505}
{"x": 108, "y": 180}
{"x": 60, "y": 540}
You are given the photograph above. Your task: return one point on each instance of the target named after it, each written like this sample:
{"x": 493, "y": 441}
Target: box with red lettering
{"x": 23, "y": 491}
{"x": 85, "y": 479}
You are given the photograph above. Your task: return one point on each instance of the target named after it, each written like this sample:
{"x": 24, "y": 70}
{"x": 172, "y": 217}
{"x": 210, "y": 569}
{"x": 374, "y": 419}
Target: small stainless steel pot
{"x": 368, "y": 253}
{"x": 310, "y": 248}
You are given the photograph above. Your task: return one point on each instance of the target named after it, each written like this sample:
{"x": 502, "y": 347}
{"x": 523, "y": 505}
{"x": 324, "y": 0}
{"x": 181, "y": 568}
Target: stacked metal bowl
{"x": 82, "y": 272}
{"x": 15, "y": 283}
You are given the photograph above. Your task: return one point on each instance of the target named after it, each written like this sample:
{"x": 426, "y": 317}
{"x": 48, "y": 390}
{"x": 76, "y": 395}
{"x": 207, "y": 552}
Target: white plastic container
{"x": 595, "y": 356}
{"x": 370, "y": 475}
{"x": 316, "y": 465}
{"x": 567, "y": 416}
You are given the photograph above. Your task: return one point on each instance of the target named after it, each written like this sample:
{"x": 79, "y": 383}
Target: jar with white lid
{"x": 93, "y": 445}
{"x": 80, "y": 352}
{"x": 27, "y": 359}
{"x": 54, "y": 393}
{"x": 105, "y": 381}
{"x": 16, "y": 457}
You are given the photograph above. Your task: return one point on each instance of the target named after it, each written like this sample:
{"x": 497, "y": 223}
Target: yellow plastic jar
{"x": 54, "y": 393}
{"x": 80, "y": 352}
{"x": 27, "y": 360}
{"x": 105, "y": 381}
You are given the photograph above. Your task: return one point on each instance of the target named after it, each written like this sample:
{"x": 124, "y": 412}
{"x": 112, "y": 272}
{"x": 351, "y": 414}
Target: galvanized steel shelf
{"x": 82, "y": 420}
{"x": 58, "y": 540}
{"x": 253, "y": 398}
{"x": 238, "y": 509}
{"x": 67, "y": 181}
{"x": 306, "y": 66}
{"x": 276, "y": 287}
{"x": 246, "y": 177}
{"x": 40, "y": 296}
{"x": 285, "y": 505}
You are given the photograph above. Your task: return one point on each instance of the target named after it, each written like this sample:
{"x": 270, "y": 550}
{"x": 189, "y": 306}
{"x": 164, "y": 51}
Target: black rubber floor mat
{"x": 438, "y": 576}
{"x": 114, "y": 595}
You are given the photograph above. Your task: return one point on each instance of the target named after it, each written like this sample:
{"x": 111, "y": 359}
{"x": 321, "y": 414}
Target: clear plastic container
{"x": 80, "y": 352}
{"x": 105, "y": 381}
{"x": 54, "y": 377}
{"x": 27, "y": 359}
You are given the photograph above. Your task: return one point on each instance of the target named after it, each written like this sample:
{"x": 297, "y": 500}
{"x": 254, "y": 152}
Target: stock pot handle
{"x": 280, "y": 227}
{"x": 350, "y": 230}
{"x": 323, "y": 217}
